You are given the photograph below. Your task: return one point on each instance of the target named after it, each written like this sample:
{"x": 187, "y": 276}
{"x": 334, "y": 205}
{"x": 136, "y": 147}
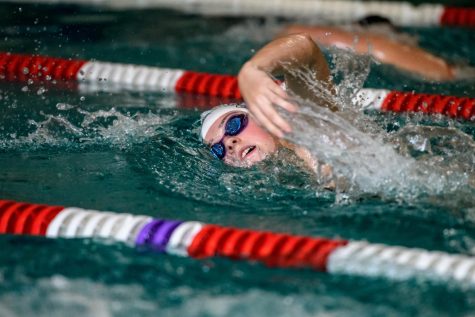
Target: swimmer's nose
{"x": 230, "y": 143}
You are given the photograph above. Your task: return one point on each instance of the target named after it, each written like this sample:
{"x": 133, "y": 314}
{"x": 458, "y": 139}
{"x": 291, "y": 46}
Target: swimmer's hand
{"x": 261, "y": 93}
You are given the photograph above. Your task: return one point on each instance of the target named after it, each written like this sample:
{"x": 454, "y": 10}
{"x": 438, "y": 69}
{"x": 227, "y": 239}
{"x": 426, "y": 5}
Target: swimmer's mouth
{"x": 247, "y": 151}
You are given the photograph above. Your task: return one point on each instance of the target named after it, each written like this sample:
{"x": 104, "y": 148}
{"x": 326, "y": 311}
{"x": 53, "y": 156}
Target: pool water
{"x": 139, "y": 152}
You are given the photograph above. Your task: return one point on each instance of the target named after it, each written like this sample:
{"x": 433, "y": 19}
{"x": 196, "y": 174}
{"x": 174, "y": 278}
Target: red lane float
{"x": 208, "y": 84}
{"x": 198, "y": 240}
{"x": 16, "y": 67}
{"x": 335, "y": 11}
{"x": 273, "y": 249}
{"x": 23, "y": 218}
{"x": 458, "y": 16}
{"x": 398, "y": 101}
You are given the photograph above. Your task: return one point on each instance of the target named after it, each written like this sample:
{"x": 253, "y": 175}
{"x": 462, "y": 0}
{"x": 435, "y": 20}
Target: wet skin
{"x": 249, "y": 147}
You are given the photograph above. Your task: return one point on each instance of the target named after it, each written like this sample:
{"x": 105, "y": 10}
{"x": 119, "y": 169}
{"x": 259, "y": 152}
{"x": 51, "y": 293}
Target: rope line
{"x": 17, "y": 67}
{"x": 198, "y": 240}
{"x": 362, "y": 258}
{"x": 455, "y": 107}
{"x": 335, "y": 11}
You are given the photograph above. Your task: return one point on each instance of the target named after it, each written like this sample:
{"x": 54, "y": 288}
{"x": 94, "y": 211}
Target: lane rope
{"x": 335, "y": 11}
{"x": 198, "y": 240}
{"x": 18, "y": 67}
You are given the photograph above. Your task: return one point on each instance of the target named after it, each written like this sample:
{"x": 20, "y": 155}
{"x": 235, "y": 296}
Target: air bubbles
{"x": 64, "y": 106}
{"x": 26, "y": 71}
{"x": 40, "y": 91}
{"x": 82, "y": 98}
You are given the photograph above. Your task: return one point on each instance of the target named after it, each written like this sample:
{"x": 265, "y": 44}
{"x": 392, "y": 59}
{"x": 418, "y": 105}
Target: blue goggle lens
{"x": 234, "y": 125}
{"x": 218, "y": 150}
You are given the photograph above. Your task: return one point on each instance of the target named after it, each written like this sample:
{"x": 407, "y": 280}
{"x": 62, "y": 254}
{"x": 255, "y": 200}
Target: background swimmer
{"x": 378, "y": 37}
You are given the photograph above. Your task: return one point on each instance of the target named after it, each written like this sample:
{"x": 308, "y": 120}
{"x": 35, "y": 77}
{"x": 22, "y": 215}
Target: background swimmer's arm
{"x": 408, "y": 57}
{"x": 287, "y": 55}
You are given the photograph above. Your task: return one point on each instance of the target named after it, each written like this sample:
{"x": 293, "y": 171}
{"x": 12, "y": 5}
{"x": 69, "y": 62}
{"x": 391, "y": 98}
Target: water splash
{"x": 364, "y": 157}
{"x": 74, "y": 126}
{"x": 202, "y": 178}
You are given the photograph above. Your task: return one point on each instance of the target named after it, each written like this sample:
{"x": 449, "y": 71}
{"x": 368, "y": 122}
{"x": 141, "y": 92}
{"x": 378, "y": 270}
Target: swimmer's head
{"x": 234, "y": 137}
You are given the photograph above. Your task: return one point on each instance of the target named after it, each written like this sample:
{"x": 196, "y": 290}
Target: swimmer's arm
{"x": 303, "y": 153}
{"x": 324, "y": 171}
{"x": 283, "y": 56}
{"x": 407, "y": 57}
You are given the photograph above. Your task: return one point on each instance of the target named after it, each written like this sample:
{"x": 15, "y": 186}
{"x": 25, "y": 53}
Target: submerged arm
{"x": 286, "y": 56}
{"x": 408, "y": 57}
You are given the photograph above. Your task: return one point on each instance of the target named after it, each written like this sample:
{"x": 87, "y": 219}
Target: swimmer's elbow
{"x": 304, "y": 37}
{"x": 304, "y": 40}
{"x": 304, "y": 46}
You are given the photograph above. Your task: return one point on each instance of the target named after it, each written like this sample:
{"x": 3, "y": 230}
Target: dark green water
{"x": 136, "y": 152}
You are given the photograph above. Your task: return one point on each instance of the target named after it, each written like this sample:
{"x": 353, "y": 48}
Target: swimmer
{"x": 242, "y": 137}
{"x": 234, "y": 137}
{"x": 379, "y": 38}
{"x": 245, "y": 136}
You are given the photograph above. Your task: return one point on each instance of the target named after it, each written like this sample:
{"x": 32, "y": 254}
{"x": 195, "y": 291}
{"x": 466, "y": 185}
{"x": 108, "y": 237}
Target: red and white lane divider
{"x": 17, "y": 67}
{"x": 199, "y": 240}
{"x": 401, "y": 13}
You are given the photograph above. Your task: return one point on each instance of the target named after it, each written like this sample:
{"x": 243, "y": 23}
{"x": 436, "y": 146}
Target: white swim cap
{"x": 208, "y": 118}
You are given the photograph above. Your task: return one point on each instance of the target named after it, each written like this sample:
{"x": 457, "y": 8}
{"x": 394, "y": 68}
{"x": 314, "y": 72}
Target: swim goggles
{"x": 234, "y": 125}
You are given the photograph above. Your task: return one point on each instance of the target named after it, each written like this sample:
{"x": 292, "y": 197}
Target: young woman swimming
{"x": 244, "y": 136}
{"x": 234, "y": 137}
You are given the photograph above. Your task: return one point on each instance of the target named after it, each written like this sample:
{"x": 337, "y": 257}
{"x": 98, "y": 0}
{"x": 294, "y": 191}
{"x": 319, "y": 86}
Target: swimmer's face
{"x": 253, "y": 144}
